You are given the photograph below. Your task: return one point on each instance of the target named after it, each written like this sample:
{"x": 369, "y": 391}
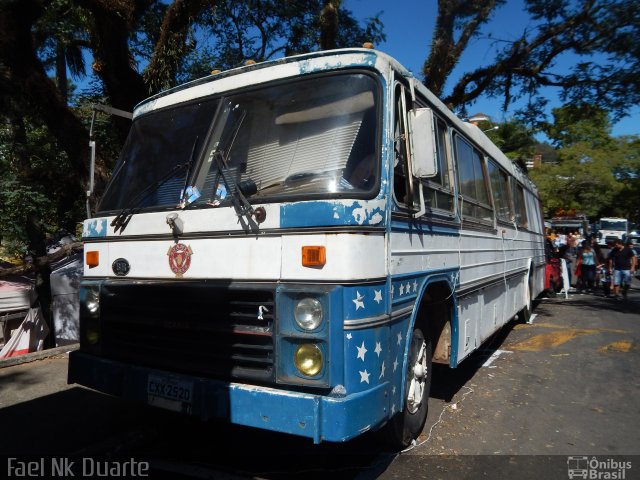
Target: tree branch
{"x": 171, "y": 46}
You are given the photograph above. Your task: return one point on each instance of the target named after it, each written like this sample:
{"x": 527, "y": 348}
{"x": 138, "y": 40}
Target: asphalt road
{"x": 535, "y": 395}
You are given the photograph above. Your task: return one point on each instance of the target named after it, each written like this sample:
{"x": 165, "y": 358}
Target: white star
{"x": 364, "y": 376}
{"x": 408, "y": 287}
{"x": 358, "y": 301}
{"x": 393, "y": 390}
{"x": 361, "y": 351}
{"x": 378, "y": 349}
{"x": 395, "y": 364}
{"x": 401, "y": 289}
{"x": 382, "y": 371}
{"x": 399, "y": 338}
{"x": 349, "y": 336}
{"x": 393, "y": 409}
{"x": 392, "y": 290}
{"x": 415, "y": 286}
{"x": 378, "y": 296}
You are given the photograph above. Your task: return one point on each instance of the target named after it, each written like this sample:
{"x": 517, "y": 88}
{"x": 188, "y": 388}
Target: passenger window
{"x": 473, "y": 187}
{"x": 518, "y": 205}
{"x": 438, "y": 193}
{"x": 500, "y": 189}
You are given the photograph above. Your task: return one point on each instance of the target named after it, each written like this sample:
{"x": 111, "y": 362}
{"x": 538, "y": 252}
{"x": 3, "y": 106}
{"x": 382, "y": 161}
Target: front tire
{"x": 406, "y": 425}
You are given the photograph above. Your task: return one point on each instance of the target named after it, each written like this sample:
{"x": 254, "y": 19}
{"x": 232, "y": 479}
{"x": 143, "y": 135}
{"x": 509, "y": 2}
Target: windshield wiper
{"x": 185, "y": 195}
{"x": 236, "y": 191}
{"x": 122, "y": 218}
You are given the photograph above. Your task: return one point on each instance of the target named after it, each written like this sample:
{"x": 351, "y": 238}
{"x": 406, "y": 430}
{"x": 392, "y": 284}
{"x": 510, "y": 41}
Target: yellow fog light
{"x": 308, "y": 359}
{"x": 93, "y": 335}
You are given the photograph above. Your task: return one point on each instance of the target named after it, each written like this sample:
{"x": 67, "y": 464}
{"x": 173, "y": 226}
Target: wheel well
{"x": 434, "y": 318}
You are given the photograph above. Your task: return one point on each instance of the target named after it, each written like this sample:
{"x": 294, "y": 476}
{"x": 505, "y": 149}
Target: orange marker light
{"x": 93, "y": 259}
{"x": 315, "y": 256}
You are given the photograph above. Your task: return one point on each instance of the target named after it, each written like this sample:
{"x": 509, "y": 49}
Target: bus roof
{"x": 326, "y": 60}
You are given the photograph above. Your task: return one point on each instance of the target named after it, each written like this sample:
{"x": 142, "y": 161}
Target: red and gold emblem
{"x": 179, "y": 258}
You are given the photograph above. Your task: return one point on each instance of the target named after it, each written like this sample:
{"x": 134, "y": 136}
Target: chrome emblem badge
{"x": 179, "y": 258}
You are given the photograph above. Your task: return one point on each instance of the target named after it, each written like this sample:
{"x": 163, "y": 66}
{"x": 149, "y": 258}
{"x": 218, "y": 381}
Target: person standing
{"x": 588, "y": 267}
{"x": 622, "y": 262}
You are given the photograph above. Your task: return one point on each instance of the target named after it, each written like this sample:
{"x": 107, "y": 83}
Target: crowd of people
{"x": 592, "y": 269}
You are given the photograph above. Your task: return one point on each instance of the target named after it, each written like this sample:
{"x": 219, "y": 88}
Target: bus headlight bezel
{"x": 90, "y": 328}
{"x": 308, "y": 313}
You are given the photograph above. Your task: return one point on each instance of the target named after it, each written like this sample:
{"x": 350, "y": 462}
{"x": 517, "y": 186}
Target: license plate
{"x": 169, "y": 393}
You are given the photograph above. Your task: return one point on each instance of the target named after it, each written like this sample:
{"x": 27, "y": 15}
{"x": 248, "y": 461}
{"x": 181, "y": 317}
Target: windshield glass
{"x": 314, "y": 137}
{"x": 158, "y": 144}
{"x": 613, "y": 225}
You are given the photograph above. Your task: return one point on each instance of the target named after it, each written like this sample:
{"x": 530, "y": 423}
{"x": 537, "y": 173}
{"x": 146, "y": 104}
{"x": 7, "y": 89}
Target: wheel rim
{"x": 418, "y": 379}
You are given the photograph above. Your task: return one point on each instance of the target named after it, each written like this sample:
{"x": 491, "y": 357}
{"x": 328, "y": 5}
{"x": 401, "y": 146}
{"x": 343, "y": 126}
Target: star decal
{"x": 401, "y": 289}
{"x": 395, "y": 364}
{"x": 358, "y": 301}
{"x": 378, "y": 296}
{"x": 361, "y": 351}
{"x": 381, "y": 371}
{"x": 408, "y": 288}
{"x": 349, "y": 336}
{"x": 393, "y": 390}
{"x": 393, "y": 409}
{"x": 378, "y": 348}
{"x": 399, "y": 338}
{"x": 415, "y": 286}
{"x": 364, "y": 376}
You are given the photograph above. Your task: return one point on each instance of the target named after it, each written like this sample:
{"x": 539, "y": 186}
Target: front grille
{"x": 193, "y": 327}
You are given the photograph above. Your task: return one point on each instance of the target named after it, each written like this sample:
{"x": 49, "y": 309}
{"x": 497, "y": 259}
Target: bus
{"x": 611, "y": 229}
{"x": 571, "y": 224}
{"x": 290, "y": 245}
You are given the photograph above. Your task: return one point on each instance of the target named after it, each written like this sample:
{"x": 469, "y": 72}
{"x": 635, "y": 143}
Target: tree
{"x": 138, "y": 48}
{"x": 601, "y": 33}
{"x": 514, "y": 138}
{"x": 596, "y": 173}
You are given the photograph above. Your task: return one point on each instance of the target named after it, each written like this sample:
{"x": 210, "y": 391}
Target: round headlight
{"x": 308, "y": 313}
{"x": 308, "y": 359}
{"x": 92, "y": 300}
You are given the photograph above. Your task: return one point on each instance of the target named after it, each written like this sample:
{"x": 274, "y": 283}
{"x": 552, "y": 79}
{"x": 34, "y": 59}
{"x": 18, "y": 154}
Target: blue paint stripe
{"x": 327, "y": 213}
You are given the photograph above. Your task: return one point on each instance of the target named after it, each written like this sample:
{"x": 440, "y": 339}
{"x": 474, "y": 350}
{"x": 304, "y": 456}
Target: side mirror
{"x": 422, "y": 140}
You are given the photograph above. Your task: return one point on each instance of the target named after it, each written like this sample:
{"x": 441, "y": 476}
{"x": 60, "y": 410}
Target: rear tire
{"x": 407, "y": 425}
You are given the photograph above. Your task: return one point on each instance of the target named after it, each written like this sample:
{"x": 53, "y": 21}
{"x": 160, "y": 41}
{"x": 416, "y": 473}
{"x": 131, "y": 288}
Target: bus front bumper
{"x": 318, "y": 417}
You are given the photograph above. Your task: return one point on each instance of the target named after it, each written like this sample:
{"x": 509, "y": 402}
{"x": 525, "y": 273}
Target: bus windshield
{"x": 616, "y": 225}
{"x": 315, "y": 137}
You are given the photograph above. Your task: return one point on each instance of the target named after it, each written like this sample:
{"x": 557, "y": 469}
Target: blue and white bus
{"x": 289, "y": 245}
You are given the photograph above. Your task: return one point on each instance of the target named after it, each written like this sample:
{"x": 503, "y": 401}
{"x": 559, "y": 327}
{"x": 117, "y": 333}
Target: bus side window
{"x": 402, "y": 180}
{"x": 438, "y": 193}
{"x": 518, "y": 205}
{"x": 500, "y": 189}
{"x": 474, "y": 194}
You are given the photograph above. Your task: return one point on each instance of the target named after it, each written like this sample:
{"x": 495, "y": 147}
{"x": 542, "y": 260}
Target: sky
{"x": 408, "y": 25}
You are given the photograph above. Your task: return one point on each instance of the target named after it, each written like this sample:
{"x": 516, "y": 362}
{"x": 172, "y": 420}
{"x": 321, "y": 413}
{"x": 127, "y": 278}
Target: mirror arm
{"x": 422, "y": 208}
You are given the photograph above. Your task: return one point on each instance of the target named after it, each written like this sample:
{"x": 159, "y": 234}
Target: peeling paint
{"x": 95, "y": 228}
{"x": 332, "y": 213}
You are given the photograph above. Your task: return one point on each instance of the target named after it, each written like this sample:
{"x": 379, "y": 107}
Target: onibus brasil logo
{"x": 594, "y": 468}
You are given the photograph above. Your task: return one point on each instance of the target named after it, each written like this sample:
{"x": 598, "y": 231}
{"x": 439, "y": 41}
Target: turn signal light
{"x": 314, "y": 256}
{"x": 93, "y": 259}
